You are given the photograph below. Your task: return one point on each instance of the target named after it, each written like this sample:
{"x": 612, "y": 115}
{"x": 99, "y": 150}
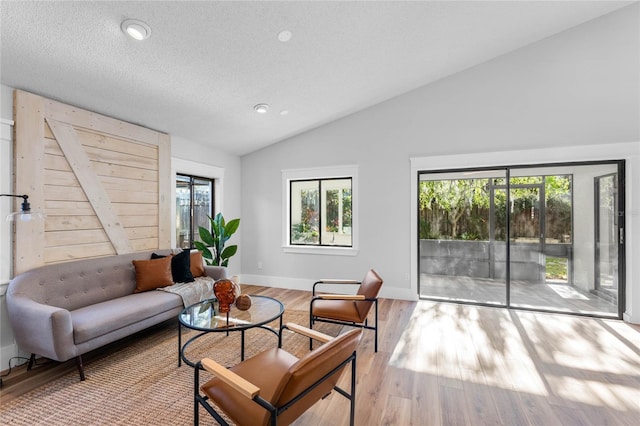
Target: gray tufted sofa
{"x": 64, "y": 310}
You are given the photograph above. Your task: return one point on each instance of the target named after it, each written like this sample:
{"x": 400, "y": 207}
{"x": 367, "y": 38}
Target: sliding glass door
{"x": 462, "y": 236}
{"x": 535, "y": 237}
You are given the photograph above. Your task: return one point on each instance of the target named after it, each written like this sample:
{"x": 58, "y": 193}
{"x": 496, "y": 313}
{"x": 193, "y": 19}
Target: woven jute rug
{"x": 142, "y": 384}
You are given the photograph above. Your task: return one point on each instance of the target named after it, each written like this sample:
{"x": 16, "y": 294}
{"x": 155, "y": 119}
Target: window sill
{"x": 324, "y": 250}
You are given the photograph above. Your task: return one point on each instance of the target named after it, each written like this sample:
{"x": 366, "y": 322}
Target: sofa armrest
{"x": 215, "y": 272}
{"x": 41, "y": 329}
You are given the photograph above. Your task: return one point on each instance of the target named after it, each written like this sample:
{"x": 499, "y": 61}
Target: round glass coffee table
{"x": 205, "y": 317}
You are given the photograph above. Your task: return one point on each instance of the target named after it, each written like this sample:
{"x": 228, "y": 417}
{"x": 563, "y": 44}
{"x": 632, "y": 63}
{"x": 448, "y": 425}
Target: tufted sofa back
{"x": 75, "y": 284}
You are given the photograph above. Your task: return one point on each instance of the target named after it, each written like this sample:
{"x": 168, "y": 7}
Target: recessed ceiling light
{"x": 261, "y": 108}
{"x": 284, "y": 112}
{"x": 136, "y": 29}
{"x": 284, "y": 36}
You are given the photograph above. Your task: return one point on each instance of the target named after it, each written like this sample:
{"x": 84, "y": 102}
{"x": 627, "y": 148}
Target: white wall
{"x": 210, "y": 162}
{"x": 577, "y": 88}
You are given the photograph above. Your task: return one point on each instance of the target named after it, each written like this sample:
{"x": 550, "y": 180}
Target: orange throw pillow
{"x": 197, "y": 267}
{"x": 152, "y": 274}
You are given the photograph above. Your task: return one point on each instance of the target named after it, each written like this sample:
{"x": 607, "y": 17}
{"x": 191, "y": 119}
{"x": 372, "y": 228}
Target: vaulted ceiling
{"x": 206, "y": 64}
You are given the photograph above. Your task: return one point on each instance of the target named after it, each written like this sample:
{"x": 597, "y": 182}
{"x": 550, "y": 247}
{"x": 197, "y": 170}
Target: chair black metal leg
{"x": 353, "y": 391}
{"x": 196, "y": 390}
{"x": 376, "y": 330}
{"x": 311, "y": 326}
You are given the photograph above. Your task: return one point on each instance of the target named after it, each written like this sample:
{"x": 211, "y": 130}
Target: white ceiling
{"x": 207, "y": 64}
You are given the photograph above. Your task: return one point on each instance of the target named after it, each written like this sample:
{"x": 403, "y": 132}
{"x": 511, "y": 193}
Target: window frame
{"x": 192, "y": 183}
{"x": 319, "y": 173}
{"x": 180, "y": 166}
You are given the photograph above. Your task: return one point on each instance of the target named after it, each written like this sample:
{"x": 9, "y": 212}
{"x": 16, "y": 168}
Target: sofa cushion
{"x": 180, "y": 266}
{"x": 197, "y": 266}
{"x": 152, "y": 274}
{"x": 102, "y": 318}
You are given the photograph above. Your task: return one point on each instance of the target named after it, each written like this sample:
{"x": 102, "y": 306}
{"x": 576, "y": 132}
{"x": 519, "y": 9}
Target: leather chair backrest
{"x": 370, "y": 287}
{"x": 312, "y": 367}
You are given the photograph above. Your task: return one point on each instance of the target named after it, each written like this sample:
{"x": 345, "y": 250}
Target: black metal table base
{"x": 182, "y": 348}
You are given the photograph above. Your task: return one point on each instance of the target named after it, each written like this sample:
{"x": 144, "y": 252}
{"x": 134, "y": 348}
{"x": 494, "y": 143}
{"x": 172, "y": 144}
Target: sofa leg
{"x": 80, "y": 367}
{"x": 32, "y": 360}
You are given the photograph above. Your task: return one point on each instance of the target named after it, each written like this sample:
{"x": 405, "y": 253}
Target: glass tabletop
{"x": 204, "y": 315}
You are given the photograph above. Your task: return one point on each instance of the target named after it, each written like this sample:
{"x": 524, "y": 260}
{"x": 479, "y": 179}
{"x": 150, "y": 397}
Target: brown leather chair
{"x": 344, "y": 309}
{"x": 275, "y": 387}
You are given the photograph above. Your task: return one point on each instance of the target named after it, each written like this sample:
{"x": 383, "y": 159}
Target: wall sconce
{"x": 25, "y": 214}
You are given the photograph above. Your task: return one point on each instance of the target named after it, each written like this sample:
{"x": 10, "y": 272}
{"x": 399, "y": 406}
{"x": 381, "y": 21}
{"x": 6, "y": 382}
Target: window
{"x": 320, "y": 210}
{"x": 194, "y": 203}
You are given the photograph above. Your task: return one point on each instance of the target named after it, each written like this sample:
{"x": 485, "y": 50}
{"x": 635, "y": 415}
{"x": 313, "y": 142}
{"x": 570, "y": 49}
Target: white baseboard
{"x": 306, "y": 284}
{"x": 628, "y": 318}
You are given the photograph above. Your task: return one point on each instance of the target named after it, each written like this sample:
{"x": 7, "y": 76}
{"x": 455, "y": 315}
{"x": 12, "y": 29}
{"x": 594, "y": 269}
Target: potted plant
{"x": 213, "y": 241}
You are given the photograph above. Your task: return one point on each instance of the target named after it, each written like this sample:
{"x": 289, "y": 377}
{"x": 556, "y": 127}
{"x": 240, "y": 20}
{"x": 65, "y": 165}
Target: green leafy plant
{"x": 213, "y": 241}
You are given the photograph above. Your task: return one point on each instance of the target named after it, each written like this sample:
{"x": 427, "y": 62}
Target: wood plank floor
{"x": 450, "y": 364}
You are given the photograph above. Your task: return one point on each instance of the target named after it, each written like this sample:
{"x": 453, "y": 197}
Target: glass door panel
{"x": 606, "y": 237}
{"x": 183, "y": 209}
{"x": 543, "y": 276}
{"x": 461, "y": 247}
{"x": 527, "y": 267}
{"x": 202, "y": 208}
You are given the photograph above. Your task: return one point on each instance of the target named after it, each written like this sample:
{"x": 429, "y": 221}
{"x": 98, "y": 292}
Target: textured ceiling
{"x": 207, "y": 64}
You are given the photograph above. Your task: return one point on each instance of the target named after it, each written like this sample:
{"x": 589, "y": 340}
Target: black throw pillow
{"x": 180, "y": 266}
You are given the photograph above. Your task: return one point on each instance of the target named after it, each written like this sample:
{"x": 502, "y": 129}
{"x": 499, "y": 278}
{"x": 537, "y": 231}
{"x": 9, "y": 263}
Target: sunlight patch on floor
{"x": 596, "y": 393}
{"x": 456, "y": 341}
{"x": 567, "y": 292}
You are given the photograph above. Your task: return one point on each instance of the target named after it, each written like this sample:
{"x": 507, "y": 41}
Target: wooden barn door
{"x": 104, "y": 184}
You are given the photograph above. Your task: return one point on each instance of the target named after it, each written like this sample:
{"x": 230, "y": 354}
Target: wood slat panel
{"x": 68, "y": 208}
{"x": 132, "y": 196}
{"x": 130, "y": 221}
{"x": 112, "y": 143}
{"x": 80, "y": 251}
{"x": 145, "y": 244}
{"x": 64, "y": 193}
{"x": 107, "y": 183}
{"x": 141, "y": 226}
{"x": 75, "y": 237}
{"x": 136, "y": 209}
{"x": 75, "y": 208}
{"x": 55, "y": 162}
{"x": 29, "y": 158}
{"x": 97, "y": 122}
{"x": 104, "y": 169}
{"x": 116, "y": 158}
{"x": 68, "y": 178}
{"x": 101, "y": 168}
{"x": 79, "y": 162}
{"x": 60, "y": 178}
{"x": 110, "y": 182}
{"x": 102, "y": 155}
{"x": 69, "y": 223}
{"x": 142, "y": 232}
{"x": 51, "y": 146}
